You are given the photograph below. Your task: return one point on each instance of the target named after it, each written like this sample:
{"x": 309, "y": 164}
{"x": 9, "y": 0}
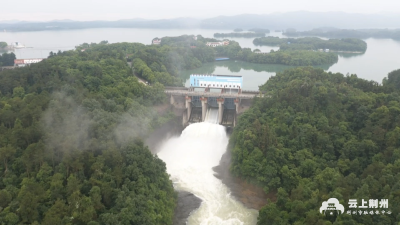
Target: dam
{"x": 210, "y": 103}
{"x": 216, "y": 96}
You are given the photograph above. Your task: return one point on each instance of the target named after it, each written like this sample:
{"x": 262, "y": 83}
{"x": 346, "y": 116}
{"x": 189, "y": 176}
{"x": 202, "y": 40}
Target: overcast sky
{"x": 41, "y": 10}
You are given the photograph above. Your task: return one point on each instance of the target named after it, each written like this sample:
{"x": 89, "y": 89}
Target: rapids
{"x": 190, "y": 159}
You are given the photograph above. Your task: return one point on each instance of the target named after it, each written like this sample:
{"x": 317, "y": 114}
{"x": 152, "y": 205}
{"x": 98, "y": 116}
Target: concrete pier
{"x": 237, "y": 104}
{"x": 220, "y": 109}
{"x": 188, "y": 106}
{"x": 204, "y": 108}
{"x": 195, "y": 104}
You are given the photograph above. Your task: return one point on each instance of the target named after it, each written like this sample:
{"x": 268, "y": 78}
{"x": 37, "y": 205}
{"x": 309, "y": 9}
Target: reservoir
{"x": 382, "y": 55}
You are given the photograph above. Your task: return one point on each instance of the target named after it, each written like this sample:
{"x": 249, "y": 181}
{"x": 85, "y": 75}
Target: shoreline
{"x": 186, "y": 202}
{"x": 250, "y": 195}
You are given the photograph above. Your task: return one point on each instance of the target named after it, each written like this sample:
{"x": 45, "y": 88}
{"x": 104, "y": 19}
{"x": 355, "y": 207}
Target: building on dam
{"x": 213, "y": 98}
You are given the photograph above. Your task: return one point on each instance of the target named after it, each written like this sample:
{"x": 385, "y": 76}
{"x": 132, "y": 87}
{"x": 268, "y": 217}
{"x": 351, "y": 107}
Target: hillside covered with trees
{"x": 196, "y": 52}
{"x": 7, "y": 59}
{"x": 70, "y": 139}
{"x": 290, "y": 58}
{"x": 313, "y": 43}
{"x": 3, "y": 45}
{"x": 322, "y": 135}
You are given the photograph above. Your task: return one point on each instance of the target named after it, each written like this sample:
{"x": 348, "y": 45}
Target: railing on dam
{"x": 196, "y": 103}
{"x": 243, "y": 95}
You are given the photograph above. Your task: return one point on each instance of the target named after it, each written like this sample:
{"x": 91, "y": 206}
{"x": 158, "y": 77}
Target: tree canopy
{"x": 3, "y": 44}
{"x": 70, "y": 140}
{"x": 321, "y": 135}
{"x": 291, "y": 58}
{"x": 348, "y": 33}
{"x": 313, "y": 43}
{"x": 191, "y": 53}
{"x": 7, "y": 59}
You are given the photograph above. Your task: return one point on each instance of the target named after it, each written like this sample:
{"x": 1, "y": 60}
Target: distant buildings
{"x": 16, "y": 45}
{"x": 215, "y": 44}
{"x": 216, "y": 81}
{"x": 156, "y": 41}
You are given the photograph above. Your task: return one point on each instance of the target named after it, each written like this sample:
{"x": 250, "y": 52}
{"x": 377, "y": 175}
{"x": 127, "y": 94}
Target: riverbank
{"x": 186, "y": 204}
{"x": 186, "y": 201}
{"x": 248, "y": 194}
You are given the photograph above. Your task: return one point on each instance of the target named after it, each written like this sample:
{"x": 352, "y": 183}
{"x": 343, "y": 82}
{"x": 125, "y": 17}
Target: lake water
{"x": 381, "y": 57}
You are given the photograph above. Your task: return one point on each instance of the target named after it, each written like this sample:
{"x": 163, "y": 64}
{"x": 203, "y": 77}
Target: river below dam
{"x": 190, "y": 159}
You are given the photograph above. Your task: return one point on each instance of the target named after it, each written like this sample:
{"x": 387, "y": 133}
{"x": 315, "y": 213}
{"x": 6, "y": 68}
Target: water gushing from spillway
{"x": 212, "y": 115}
{"x": 190, "y": 159}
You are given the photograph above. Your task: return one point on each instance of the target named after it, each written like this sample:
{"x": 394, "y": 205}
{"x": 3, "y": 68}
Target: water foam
{"x": 212, "y": 115}
{"x": 190, "y": 159}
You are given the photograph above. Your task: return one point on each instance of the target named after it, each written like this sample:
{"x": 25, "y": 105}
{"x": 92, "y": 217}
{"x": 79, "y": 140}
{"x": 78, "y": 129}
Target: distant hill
{"x": 303, "y": 20}
{"x": 300, "y": 20}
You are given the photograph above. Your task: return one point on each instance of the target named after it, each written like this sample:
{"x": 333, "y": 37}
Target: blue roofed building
{"x": 216, "y": 81}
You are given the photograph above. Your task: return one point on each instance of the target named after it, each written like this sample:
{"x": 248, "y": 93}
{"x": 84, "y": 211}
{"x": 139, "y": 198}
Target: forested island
{"x": 241, "y": 34}
{"x": 314, "y": 43}
{"x": 254, "y": 32}
{"x": 321, "y": 135}
{"x": 291, "y": 58}
{"x": 204, "y": 53}
{"x": 347, "y": 33}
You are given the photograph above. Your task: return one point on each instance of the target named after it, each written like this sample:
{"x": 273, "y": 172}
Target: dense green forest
{"x": 3, "y": 44}
{"x": 313, "y": 43}
{"x": 7, "y": 59}
{"x": 290, "y": 58}
{"x": 348, "y": 33}
{"x": 243, "y": 35}
{"x": 196, "y": 52}
{"x": 70, "y": 138}
{"x": 322, "y": 135}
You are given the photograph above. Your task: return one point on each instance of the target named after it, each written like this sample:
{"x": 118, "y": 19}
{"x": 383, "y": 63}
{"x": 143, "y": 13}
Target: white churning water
{"x": 212, "y": 115}
{"x": 190, "y": 159}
